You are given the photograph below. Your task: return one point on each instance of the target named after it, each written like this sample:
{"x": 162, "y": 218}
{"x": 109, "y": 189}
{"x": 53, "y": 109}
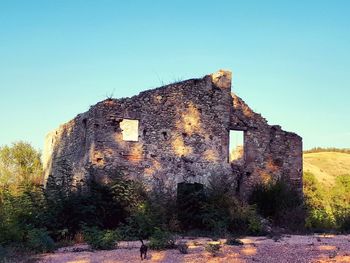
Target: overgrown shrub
{"x": 255, "y": 226}
{"x": 101, "y": 239}
{"x": 140, "y": 224}
{"x": 327, "y": 209}
{"x": 213, "y": 248}
{"x": 38, "y": 240}
{"x": 340, "y": 202}
{"x": 105, "y": 206}
{"x": 224, "y": 213}
{"x": 30, "y": 215}
{"x": 319, "y": 216}
{"x": 279, "y": 202}
{"x": 161, "y": 240}
{"x": 20, "y": 212}
{"x": 157, "y": 210}
{"x": 190, "y": 205}
{"x": 162, "y": 207}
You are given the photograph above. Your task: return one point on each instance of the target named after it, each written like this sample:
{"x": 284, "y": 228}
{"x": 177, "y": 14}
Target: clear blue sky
{"x": 290, "y": 59}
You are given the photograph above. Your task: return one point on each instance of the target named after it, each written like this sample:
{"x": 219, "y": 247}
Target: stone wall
{"x": 179, "y": 133}
{"x": 269, "y": 152}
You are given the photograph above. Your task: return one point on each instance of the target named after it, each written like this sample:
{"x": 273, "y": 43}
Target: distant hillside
{"x": 326, "y": 165}
{"x": 331, "y": 149}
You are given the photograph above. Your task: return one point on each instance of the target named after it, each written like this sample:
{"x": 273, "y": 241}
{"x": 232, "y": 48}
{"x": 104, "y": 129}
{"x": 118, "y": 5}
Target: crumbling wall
{"x": 269, "y": 152}
{"x": 182, "y": 136}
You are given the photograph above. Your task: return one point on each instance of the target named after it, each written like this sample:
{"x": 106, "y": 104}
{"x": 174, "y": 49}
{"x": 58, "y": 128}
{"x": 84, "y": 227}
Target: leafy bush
{"x": 255, "y": 226}
{"x": 340, "y": 202}
{"x": 140, "y": 224}
{"x": 224, "y": 213}
{"x": 20, "y": 194}
{"x": 157, "y": 209}
{"x": 279, "y": 202}
{"x": 213, "y": 248}
{"x": 182, "y": 247}
{"x": 38, "y": 240}
{"x": 101, "y": 239}
{"x": 190, "y": 204}
{"x": 19, "y": 212}
{"x": 26, "y": 208}
{"x": 161, "y": 240}
{"x": 105, "y": 206}
{"x": 162, "y": 207}
{"x": 319, "y": 216}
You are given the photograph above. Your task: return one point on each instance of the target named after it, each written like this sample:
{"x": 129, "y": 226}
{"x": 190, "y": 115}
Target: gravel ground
{"x": 315, "y": 248}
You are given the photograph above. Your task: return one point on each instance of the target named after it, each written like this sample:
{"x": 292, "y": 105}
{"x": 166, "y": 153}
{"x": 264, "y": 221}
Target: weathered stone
{"x": 172, "y": 134}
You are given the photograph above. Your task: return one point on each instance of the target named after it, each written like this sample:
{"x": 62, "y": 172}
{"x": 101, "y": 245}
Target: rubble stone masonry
{"x": 172, "y": 134}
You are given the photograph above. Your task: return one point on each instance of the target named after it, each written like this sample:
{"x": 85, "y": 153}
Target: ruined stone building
{"x": 173, "y": 134}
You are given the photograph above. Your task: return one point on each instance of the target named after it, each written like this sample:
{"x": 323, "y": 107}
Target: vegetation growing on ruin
{"x": 34, "y": 219}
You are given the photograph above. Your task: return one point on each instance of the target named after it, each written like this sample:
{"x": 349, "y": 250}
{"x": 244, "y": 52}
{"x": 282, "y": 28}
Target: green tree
{"x": 21, "y": 196}
{"x": 19, "y": 163}
{"x": 319, "y": 214}
{"x": 341, "y": 202}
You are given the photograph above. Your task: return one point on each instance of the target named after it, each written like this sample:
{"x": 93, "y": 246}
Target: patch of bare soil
{"x": 315, "y": 249}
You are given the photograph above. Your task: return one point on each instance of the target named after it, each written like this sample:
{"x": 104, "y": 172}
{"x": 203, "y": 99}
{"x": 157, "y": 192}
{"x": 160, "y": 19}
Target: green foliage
{"x": 101, "y": 239}
{"x": 20, "y": 195}
{"x": 19, "y": 164}
{"x": 95, "y": 207}
{"x": 161, "y": 240}
{"x": 224, "y": 213}
{"x": 162, "y": 208}
{"x": 157, "y": 210}
{"x": 280, "y": 203}
{"x": 31, "y": 215}
{"x": 340, "y": 202}
{"x": 213, "y": 248}
{"x": 190, "y": 204}
{"x": 255, "y": 226}
{"x": 38, "y": 240}
{"x": 26, "y": 207}
{"x": 273, "y": 198}
{"x": 327, "y": 208}
{"x": 319, "y": 215}
{"x": 140, "y": 224}
{"x": 106, "y": 206}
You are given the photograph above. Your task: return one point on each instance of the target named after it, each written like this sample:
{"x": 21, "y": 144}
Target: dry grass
{"x": 326, "y": 166}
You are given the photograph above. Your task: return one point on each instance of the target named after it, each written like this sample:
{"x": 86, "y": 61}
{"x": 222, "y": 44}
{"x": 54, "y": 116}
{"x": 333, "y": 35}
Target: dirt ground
{"x": 315, "y": 248}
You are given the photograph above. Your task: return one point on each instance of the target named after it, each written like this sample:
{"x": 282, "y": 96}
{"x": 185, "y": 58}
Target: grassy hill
{"x": 326, "y": 166}
{"x": 327, "y": 190}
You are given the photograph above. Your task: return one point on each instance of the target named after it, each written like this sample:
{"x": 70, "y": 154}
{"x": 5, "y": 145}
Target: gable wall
{"x": 183, "y": 136}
